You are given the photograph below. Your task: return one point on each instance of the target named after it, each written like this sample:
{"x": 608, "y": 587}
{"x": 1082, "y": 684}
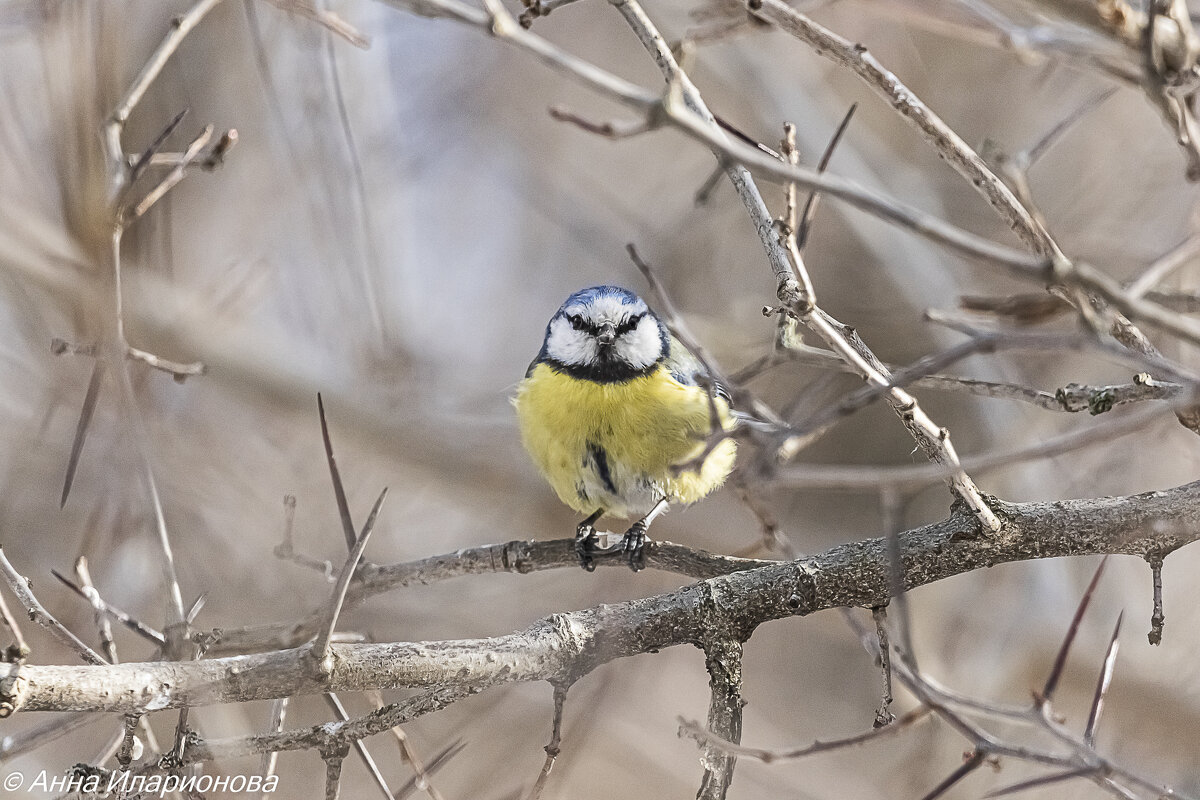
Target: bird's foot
{"x": 587, "y": 545}
{"x": 633, "y": 545}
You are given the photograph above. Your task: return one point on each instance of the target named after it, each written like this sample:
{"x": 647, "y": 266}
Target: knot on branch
{"x": 516, "y": 557}
{"x": 793, "y": 297}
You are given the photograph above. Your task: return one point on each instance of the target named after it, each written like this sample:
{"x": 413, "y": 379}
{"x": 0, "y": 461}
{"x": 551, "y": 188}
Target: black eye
{"x": 629, "y": 324}
{"x": 576, "y": 321}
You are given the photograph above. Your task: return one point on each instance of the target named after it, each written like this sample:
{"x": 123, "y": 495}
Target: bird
{"x": 618, "y": 415}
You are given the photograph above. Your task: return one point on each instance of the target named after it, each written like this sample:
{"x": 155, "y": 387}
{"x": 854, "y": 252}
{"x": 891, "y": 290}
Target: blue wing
{"x": 687, "y": 369}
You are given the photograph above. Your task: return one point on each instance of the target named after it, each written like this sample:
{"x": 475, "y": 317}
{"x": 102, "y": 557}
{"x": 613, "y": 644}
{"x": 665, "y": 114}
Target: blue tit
{"x": 616, "y": 413}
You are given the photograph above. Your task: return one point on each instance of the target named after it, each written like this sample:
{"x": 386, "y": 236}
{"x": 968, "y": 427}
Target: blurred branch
{"x": 707, "y": 738}
{"x": 181, "y": 26}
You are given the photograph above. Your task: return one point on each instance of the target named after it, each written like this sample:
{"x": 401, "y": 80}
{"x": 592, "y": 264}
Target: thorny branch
{"x": 565, "y": 646}
{"x": 735, "y": 595}
{"x": 795, "y": 287}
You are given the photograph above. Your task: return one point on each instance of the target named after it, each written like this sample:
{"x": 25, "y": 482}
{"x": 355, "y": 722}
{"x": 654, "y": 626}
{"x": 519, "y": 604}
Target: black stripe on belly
{"x": 600, "y": 459}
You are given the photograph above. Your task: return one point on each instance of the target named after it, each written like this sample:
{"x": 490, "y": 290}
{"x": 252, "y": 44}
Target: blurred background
{"x": 393, "y": 229}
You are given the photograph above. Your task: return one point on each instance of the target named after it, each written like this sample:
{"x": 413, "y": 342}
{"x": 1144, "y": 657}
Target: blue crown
{"x": 594, "y": 293}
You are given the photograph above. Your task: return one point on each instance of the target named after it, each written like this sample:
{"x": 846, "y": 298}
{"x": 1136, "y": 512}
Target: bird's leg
{"x": 586, "y": 544}
{"x": 634, "y": 542}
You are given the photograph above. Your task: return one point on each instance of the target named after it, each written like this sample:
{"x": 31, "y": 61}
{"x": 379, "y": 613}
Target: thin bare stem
{"x": 329, "y": 20}
{"x": 16, "y": 652}
{"x": 177, "y": 620}
{"x": 1157, "y": 618}
{"x": 360, "y": 747}
{"x": 705, "y": 737}
{"x": 1177, "y": 257}
{"x": 1044, "y": 780}
{"x": 804, "y": 230}
{"x": 130, "y": 622}
{"x": 972, "y": 763}
{"x": 102, "y": 623}
{"x": 421, "y": 779}
{"x": 552, "y": 749}
{"x": 39, "y": 614}
{"x": 421, "y": 773}
{"x": 181, "y": 26}
{"x": 271, "y": 757}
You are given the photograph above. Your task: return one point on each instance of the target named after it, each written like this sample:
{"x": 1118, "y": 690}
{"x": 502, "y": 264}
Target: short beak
{"x": 608, "y": 332}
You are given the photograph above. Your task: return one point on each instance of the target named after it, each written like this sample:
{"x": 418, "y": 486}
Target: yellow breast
{"x": 612, "y": 446}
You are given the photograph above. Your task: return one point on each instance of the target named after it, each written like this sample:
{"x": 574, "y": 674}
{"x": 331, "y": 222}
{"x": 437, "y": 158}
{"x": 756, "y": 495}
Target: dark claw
{"x": 634, "y": 546}
{"x": 586, "y": 545}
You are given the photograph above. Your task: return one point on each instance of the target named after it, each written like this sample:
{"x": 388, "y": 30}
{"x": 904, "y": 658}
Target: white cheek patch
{"x": 569, "y": 346}
{"x": 641, "y": 346}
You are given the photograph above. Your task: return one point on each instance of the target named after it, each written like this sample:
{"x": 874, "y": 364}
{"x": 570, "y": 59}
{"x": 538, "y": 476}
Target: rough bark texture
{"x": 565, "y": 646}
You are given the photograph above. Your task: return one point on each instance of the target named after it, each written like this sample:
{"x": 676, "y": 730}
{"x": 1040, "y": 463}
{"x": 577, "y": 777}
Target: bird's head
{"x": 605, "y": 334}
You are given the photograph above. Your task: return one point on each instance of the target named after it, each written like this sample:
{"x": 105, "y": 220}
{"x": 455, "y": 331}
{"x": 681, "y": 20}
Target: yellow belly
{"x": 639, "y": 429}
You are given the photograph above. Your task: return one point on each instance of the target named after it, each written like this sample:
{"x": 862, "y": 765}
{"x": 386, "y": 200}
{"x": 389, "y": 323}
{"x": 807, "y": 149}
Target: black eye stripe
{"x": 580, "y": 324}
{"x": 629, "y": 324}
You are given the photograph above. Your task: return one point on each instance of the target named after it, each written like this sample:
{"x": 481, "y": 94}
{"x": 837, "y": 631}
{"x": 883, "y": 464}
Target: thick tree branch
{"x": 564, "y": 646}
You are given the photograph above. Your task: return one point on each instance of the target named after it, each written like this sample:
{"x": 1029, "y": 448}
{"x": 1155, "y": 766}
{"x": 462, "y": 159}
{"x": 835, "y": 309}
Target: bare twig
{"x": 329, "y": 20}
{"x": 552, "y": 749}
{"x": 814, "y": 198}
{"x": 16, "y": 652}
{"x": 181, "y": 26}
{"x": 102, "y": 623}
{"x": 421, "y": 779}
{"x": 15, "y": 745}
{"x": 421, "y": 772}
{"x": 98, "y": 602}
{"x": 795, "y": 288}
{"x": 361, "y": 748}
{"x": 1044, "y": 780}
{"x": 172, "y": 178}
{"x": 38, "y": 613}
{"x": 177, "y": 622}
{"x": 969, "y": 765}
{"x": 287, "y": 548}
{"x": 1163, "y": 266}
{"x": 1157, "y": 618}
{"x": 863, "y": 477}
{"x": 271, "y": 757}
{"x": 705, "y": 737}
